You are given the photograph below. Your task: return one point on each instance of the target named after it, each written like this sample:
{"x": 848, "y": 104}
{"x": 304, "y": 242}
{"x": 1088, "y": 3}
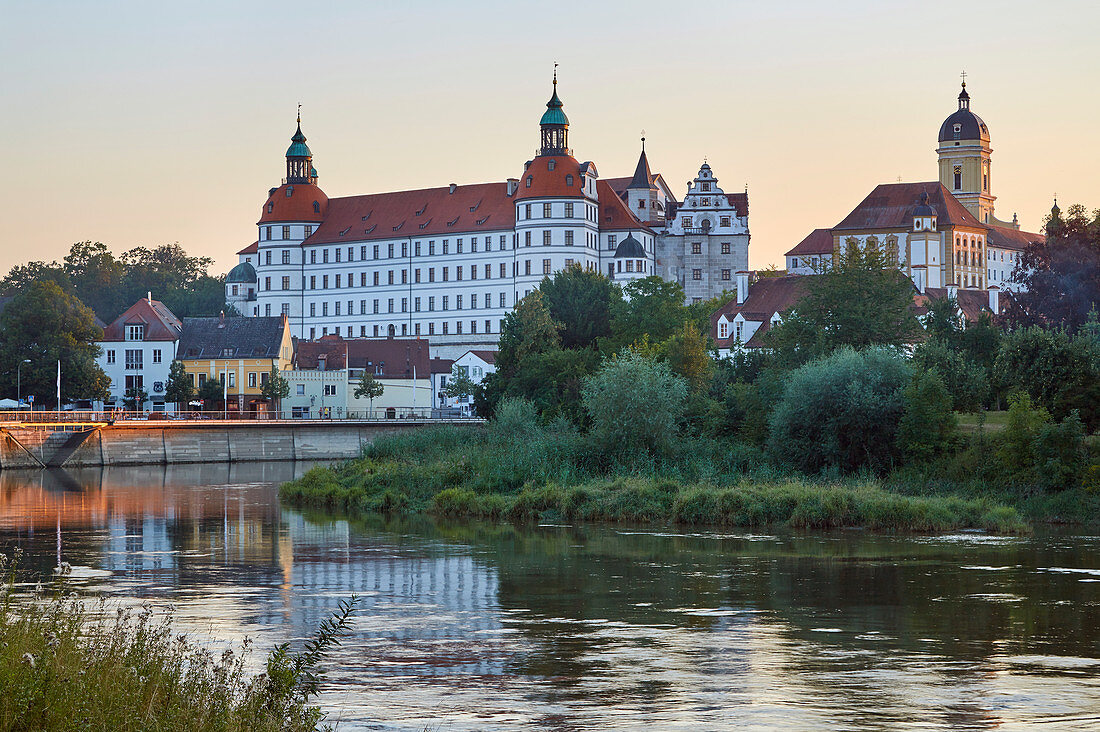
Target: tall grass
{"x": 67, "y": 664}
{"x": 539, "y": 473}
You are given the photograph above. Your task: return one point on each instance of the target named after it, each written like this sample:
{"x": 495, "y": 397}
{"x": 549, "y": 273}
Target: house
{"x": 240, "y": 352}
{"x": 441, "y": 372}
{"x": 476, "y": 365}
{"x": 136, "y": 352}
{"x": 319, "y": 382}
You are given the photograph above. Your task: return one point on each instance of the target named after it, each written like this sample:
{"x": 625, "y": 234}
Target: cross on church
{"x": 963, "y": 77}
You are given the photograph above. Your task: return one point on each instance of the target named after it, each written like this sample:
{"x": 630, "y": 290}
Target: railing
{"x": 389, "y": 414}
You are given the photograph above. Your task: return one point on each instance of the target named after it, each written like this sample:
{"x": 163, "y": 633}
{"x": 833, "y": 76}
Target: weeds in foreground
{"x": 67, "y": 663}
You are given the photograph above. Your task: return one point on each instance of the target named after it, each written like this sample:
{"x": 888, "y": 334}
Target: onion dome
{"x": 243, "y": 273}
{"x": 923, "y": 208}
{"x": 630, "y": 248}
{"x": 554, "y": 126}
{"x": 964, "y": 124}
{"x": 298, "y": 147}
{"x": 554, "y": 115}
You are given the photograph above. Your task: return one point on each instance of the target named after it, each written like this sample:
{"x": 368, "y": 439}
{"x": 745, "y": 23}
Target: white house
{"x": 136, "y": 353}
{"x": 475, "y": 365}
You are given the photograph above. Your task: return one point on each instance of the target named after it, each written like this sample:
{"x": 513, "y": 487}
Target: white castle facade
{"x": 449, "y": 263}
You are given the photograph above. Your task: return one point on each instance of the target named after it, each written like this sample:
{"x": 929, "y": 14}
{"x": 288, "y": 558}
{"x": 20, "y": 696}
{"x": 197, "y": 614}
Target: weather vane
{"x": 299, "y": 113}
{"x": 555, "y": 72}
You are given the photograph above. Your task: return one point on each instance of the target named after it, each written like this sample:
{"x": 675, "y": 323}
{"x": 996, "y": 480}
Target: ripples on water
{"x": 479, "y": 626}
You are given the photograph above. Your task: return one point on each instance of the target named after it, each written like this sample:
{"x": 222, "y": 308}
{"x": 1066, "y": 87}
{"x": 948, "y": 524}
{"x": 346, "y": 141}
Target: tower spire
{"x": 554, "y": 125}
{"x": 299, "y": 158}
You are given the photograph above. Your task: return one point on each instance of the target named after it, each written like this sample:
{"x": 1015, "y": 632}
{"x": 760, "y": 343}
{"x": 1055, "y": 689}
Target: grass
{"x": 65, "y": 666}
{"x": 969, "y": 422}
{"x": 558, "y": 474}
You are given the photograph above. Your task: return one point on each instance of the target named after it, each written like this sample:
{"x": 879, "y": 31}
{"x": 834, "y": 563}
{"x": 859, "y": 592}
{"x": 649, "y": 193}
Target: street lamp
{"x": 19, "y": 382}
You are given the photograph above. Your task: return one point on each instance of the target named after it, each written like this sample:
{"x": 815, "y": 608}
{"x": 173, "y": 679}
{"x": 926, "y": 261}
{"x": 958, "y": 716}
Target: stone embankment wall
{"x": 147, "y": 444}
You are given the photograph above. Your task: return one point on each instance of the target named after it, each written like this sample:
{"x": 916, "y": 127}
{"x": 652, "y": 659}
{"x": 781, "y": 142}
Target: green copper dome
{"x": 298, "y": 147}
{"x": 554, "y": 114}
{"x": 243, "y": 272}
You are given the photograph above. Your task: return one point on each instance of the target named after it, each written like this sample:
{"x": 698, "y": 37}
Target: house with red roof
{"x": 136, "y": 352}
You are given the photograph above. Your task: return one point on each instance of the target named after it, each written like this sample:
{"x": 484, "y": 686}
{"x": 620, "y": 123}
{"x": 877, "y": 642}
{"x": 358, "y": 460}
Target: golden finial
{"x": 963, "y": 74}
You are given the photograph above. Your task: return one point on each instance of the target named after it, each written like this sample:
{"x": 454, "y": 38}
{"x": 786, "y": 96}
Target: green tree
{"x": 134, "y": 399}
{"x": 842, "y": 412}
{"x": 635, "y": 403}
{"x": 528, "y": 329}
{"x": 943, "y": 320}
{"x": 580, "y": 301}
{"x": 212, "y": 392}
{"x": 45, "y": 325}
{"x": 1059, "y": 372}
{"x": 686, "y": 353}
{"x": 966, "y": 382}
{"x": 180, "y": 389}
{"x": 22, "y": 276}
{"x": 928, "y": 426}
{"x": 369, "y": 387}
{"x": 275, "y": 389}
{"x": 862, "y": 301}
{"x": 1060, "y": 275}
{"x": 97, "y": 278}
{"x": 460, "y": 384}
{"x": 651, "y": 307}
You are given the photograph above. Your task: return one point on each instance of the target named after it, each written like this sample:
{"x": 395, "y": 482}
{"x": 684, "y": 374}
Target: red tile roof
{"x": 333, "y": 348}
{"x": 547, "y": 182}
{"x": 615, "y": 215}
{"x": 1005, "y": 237}
{"x": 418, "y": 213}
{"x": 972, "y": 303}
{"x": 767, "y": 296}
{"x": 390, "y": 358}
{"x": 305, "y": 202}
{"x": 442, "y": 365}
{"x": 818, "y": 241}
{"x": 889, "y": 206}
{"x": 160, "y": 323}
{"x": 489, "y": 357}
{"x": 250, "y": 249}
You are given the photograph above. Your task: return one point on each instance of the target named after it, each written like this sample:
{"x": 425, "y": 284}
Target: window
{"x": 725, "y": 247}
{"x": 135, "y": 359}
{"x": 446, "y": 273}
{"x": 568, "y": 263}
{"x": 568, "y": 182}
{"x": 740, "y": 330}
{"x": 313, "y": 310}
{"x": 431, "y": 303}
{"x": 546, "y": 210}
{"x": 503, "y": 301}
{"x": 696, "y": 274}
{"x": 135, "y": 332}
{"x": 696, "y": 247}
{"x": 337, "y": 254}
{"x": 286, "y": 283}
{"x": 724, "y": 221}
{"x": 389, "y": 305}
{"x": 330, "y": 390}
{"x": 527, "y": 238}
{"x": 446, "y": 302}
{"x": 611, "y": 239}
{"x": 313, "y": 256}
{"x": 375, "y": 252}
{"x": 528, "y": 181}
{"x": 546, "y": 266}
{"x": 446, "y": 246}
{"x": 300, "y": 389}
{"x": 267, "y": 232}
{"x": 958, "y": 177}
{"x": 569, "y": 238}
{"x": 546, "y": 238}
{"x": 458, "y": 273}
{"x": 286, "y": 256}
{"x": 706, "y": 188}
{"x": 488, "y": 270}
{"x": 110, "y": 356}
{"x": 725, "y": 275}
{"x": 527, "y": 267}
{"x": 458, "y": 302}
{"x": 404, "y": 276}
{"x": 286, "y": 232}
{"x": 503, "y": 269}
{"x": 458, "y": 327}
{"x": 416, "y": 304}
{"x": 723, "y": 329}
{"x": 404, "y": 304}
{"x": 431, "y": 274}
{"x": 389, "y": 250}
{"x": 362, "y": 252}
{"x": 336, "y": 305}
{"x": 376, "y": 305}
{"x": 267, "y": 309}
{"x": 285, "y": 309}
{"x": 630, "y": 265}
{"x": 685, "y": 221}
{"x": 324, "y": 309}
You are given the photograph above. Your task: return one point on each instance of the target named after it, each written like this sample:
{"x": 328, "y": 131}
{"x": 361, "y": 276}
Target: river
{"x": 491, "y": 627}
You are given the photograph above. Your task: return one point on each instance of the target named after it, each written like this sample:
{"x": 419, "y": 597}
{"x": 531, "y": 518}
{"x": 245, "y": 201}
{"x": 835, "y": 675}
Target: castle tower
{"x": 924, "y": 256}
{"x": 964, "y": 153}
{"x": 641, "y": 194}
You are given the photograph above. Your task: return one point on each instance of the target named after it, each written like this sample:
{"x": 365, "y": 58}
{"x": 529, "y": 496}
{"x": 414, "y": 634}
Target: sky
{"x": 139, "y": 124}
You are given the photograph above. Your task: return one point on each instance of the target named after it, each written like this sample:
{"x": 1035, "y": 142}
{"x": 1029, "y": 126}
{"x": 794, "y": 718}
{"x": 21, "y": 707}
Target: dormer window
{"x": 270, "y": 208}
{"x": 135, "y": 332}
{"x": 528, "y": 181}
{"x": 569, "y": 180}
{"x": 550, "y": 165}
{"x": 289, "y": 191}
{"x": 316, "y": 207}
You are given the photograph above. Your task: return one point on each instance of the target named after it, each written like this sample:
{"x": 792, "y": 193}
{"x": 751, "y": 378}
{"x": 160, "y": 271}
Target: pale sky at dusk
{"x": 146, "y": 123}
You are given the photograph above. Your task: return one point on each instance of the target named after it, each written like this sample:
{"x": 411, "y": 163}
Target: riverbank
{"x": 544, "y": 474}
{"x": 67, "y": 663}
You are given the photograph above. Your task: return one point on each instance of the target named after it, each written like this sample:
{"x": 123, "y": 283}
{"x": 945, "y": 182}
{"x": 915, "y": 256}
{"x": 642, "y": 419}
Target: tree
{"x": 180, "y": 389}
{"x": 369, "y": 387}
{"x": 928, "y": 425}
{"x": 460, "y": 384}
{"x": 966, "y": 382}
{"x": 1059, "y": 372}
{"x": 861, "y": 302}
{"x": 528, "y": 329}
{"x": 1060, "y": 275}
{"x": 211, "y": 392}
{"x": 635, "y": 403}
{"x": 842, "y": 412}
{"x": 686, "y": 352}
{"x": 581, "y": 302}
{"x": 275, "y": 389}
{"x": 652, "y": 307}
{"x": 45, "y": 325}
{"x": 134, "y": 399}
{"x": 97, "y": 278}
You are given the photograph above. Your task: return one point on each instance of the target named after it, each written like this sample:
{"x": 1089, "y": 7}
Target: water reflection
{"x": 476, "y": 626}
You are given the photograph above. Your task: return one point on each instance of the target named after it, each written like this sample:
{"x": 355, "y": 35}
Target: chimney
{"x": 995, "y": 299}
{"x": 953, "y": 291}
{"x": 513, "y": 186}
{"x": 453, "y": 186}
{"x": 149, "y": 296}
{"x": 742, "y": 287}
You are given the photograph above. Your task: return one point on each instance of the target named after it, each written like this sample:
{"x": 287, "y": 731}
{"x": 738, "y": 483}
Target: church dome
{"x": 242, "y": 273}
{"x": 295, "y": 202}
{"x": 964, "y": 124}
{"x": 298, "y": 147}
{"x": 630, "y": 248}
{"x": 554, "y": 115}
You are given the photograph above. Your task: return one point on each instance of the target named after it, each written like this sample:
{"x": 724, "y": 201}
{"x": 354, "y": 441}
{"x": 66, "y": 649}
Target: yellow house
{"x": 239, "y": 352}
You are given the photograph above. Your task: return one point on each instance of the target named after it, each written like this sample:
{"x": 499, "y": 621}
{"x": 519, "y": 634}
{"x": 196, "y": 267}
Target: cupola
{"x": 554, "y": 126}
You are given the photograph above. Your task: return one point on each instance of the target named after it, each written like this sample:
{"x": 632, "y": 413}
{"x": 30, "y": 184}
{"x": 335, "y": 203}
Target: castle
{"x": 449, "y": 263}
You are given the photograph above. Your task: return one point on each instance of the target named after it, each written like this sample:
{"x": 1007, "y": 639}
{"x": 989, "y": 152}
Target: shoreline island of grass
{"x": 527, "y": 473}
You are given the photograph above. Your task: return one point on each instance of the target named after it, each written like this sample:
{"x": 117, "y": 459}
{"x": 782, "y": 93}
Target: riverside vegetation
{"x": 614, "y": 408}
{"x": 68, "y": 663}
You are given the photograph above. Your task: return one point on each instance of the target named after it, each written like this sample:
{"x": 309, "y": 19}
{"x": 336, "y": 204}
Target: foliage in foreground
{"x": 65, "y": 665}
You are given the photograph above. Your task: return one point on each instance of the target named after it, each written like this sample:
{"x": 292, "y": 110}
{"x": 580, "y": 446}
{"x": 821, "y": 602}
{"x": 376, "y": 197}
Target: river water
{"x": 492, "y": 627}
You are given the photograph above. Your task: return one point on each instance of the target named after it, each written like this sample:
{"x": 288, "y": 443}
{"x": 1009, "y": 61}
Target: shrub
{"x": 928, "y": 426}
{"x": 1058, "y": 453}
{"x": 842, "y": 412}
{"x": 966, "y": 381}
{"x": 635, "y": 403}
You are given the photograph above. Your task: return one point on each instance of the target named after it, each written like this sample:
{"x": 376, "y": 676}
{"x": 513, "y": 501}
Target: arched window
{"x": 316, "y": 207}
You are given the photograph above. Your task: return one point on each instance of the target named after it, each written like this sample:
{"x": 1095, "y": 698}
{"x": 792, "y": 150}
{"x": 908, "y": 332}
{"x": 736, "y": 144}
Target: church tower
{"x": 554, "y": 126}
{"x": 964, "y": 153}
